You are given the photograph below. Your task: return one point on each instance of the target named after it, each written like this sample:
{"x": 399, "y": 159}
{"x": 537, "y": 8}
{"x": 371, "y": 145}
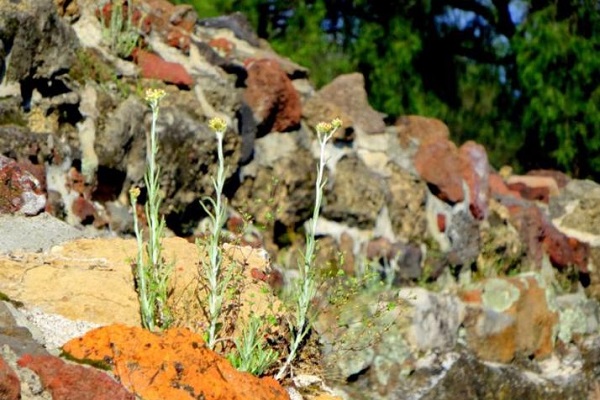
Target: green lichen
{"x": 572, "y": 321}
{"x": 499, "y": 294}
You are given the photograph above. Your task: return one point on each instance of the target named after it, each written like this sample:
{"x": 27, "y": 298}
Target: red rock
{"x": 531, "y": 193}
{"x": 84, "y": 210}
{"x": 222, "y": 45}
{"x": 437, "y": 162}
{"x": 10, "y": 387}
{"x": 471, "y": 296}
{"x": 421, "y": 129}
{"x": 74, "y": 382}
{"x": 441, "y": 222}
{"x": 541, "y": 236}
{"x": 175, "y": 364}
{"x": 532, "y": 187}
{"x": 475, "y": 170}
{"x": 154, "y": 67}
{"x": 272, "y": 97}
{"x": 20, "y": 191}
{"x": 76, "y": 181}
{"x": 445, "y": 168}
{"x": 498, "y": 186}
{"x": 259, "y": 275}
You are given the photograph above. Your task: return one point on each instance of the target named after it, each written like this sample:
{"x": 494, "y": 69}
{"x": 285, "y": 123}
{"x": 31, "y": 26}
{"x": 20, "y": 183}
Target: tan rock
{"x": 92, "y": 280}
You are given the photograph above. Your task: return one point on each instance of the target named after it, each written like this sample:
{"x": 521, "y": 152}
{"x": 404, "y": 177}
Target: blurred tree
{"x": 520, "y": 76}
{"x": 558, "y": 69}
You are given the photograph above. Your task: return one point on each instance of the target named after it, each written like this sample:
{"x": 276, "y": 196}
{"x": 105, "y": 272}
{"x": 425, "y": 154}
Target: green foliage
{"x": 152, "y": 273}
{"x": 207, "y": 9}
{"x": 304, "y": 41}
{"x": 305, "y": 288}
{"x": 559, "y": 74}
{"x": 212, "y": 268}
{"x": 120, "y": 32}
{"x": 251, "y": 354}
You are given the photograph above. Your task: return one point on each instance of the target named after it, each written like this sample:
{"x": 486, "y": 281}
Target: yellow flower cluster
{"x": 154, "y": 95}
{"x": 134, "y": 192}
{"x": 217, "y": 124}
{"x": 328, "y": 127}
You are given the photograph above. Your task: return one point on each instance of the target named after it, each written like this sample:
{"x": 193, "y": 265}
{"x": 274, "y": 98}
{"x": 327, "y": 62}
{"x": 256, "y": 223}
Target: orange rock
{"x": 172, "y": 365}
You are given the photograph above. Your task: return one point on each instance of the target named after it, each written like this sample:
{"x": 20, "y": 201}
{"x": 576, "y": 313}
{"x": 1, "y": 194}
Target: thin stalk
{"x": 146, "y": 309}
{"x": 308, "y": 288}
{"x": 213, "y": 271}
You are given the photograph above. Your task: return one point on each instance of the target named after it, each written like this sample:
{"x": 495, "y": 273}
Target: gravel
{"x": 56, "y": 330}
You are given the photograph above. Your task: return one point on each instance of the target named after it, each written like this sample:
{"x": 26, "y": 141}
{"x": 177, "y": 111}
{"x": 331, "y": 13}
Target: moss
{"x": 16, "y": 303}
{"x": 89, "y": 66}
{"x": 102, "y": 365}
{"x": 10, "y": 112}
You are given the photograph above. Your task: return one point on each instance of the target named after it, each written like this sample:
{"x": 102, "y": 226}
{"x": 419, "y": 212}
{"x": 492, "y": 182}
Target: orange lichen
{"x": 173, "y": 365}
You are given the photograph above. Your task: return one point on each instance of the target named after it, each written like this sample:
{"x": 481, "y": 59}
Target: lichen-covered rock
{"x": 511, "y": 317}
{"x": 174, "y": 364}
{"x": 502, "y": 249}
{"x": 466, "y": 377}
{"x": 365, "y": 334}
{"x": 406, "y": 205}
{"x": 435, "y": 318}
{"x": 399, "y": 262}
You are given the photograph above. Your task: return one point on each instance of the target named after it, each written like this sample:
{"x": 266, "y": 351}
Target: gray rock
{"x": 277, "y": 187}
{"x": 436, "y": 318}
{"x": 17, "y": 336}
{"x": 469, "y": 378}
{"x": 42, "y": 45}
{"x": 37, "y": 233}
{"x": 237, "y": 23}
{"x": 356, "y": 194}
